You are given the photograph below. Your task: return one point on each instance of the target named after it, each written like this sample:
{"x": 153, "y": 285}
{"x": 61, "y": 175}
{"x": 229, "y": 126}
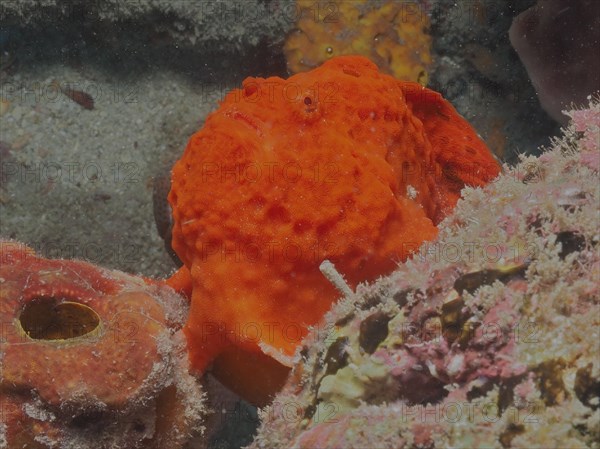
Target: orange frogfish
{"x": 342, "y": 163}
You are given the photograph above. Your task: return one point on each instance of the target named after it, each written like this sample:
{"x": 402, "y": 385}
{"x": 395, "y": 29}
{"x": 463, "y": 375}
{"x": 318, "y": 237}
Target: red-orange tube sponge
{"x": 341, "y": 163}
{"x": 91, "y": 357}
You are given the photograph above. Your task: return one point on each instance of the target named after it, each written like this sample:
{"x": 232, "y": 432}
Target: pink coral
{"x": 586, "y": 122}
{"x": 484, "y": 345}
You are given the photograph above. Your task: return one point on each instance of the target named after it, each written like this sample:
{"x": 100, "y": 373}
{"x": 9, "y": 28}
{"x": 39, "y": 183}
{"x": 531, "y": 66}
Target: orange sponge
{"x": 393, "y": 34}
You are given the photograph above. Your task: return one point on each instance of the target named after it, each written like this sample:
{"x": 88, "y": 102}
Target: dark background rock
{"x": 477, "y": 69}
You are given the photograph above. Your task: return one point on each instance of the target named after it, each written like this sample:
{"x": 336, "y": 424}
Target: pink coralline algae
{"x": 586, "y": 122}
{"x": 485, "y": 338}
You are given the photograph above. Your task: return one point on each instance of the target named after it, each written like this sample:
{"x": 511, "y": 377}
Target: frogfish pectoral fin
{"x": 181, "y": 282}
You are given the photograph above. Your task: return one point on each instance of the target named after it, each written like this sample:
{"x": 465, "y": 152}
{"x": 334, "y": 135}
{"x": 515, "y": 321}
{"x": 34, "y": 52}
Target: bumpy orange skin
{"x": 288, "y": 173}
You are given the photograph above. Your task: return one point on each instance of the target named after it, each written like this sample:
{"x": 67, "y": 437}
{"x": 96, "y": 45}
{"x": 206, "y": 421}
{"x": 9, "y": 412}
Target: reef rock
{"x": 487, "y": 337}
{"x": 214, "y": 26}
{"x": 558, "y": 41}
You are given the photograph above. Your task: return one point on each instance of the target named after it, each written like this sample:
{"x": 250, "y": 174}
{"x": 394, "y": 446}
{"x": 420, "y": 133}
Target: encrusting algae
{"x": 394, "y": 35}
{"x": 487, "y": 337}
{"x": 342, "y": 163}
